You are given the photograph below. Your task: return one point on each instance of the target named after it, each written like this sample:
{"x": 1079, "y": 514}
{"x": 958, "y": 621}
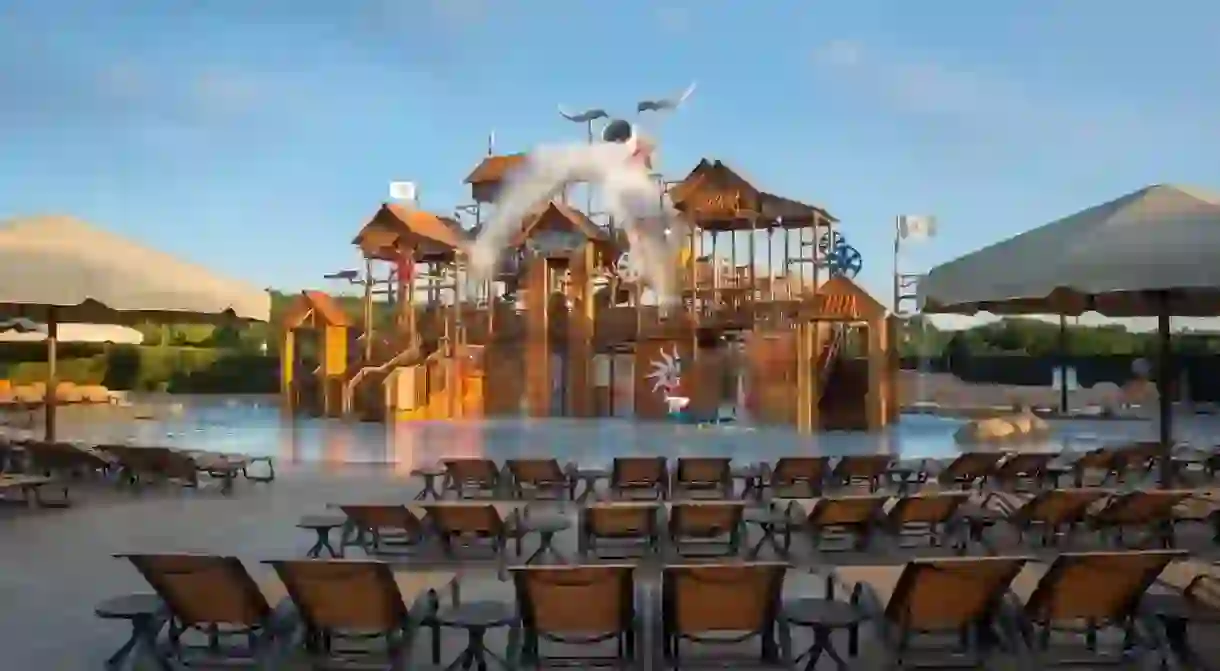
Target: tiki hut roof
{"x": 494, "y": 168}
{"x": 556, "y": 215}
{"x": 717, "y": 197}
{"x": 396, "y": 227}
{"x": 315, "y": 306}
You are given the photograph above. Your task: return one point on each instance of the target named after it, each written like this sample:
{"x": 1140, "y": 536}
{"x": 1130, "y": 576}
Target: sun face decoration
{"x": 666, "y": 373}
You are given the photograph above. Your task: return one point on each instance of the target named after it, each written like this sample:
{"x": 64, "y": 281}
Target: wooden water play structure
{"x": 564, "y": 331}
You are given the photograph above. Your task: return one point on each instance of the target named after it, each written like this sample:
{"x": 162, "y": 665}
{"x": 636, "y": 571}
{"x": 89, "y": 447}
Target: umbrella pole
{"x": 1164, "y": 377}
{"x": 50, "y": 398}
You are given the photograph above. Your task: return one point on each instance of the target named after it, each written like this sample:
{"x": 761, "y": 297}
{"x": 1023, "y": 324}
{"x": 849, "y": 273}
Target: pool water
{"x": 255, "y": 425}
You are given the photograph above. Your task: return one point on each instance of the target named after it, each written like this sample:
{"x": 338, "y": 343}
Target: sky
{"x": 256, "y": 136}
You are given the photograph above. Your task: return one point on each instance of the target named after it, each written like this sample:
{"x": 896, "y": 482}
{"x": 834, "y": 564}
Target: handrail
{"x": 349, "y": 388}
{"x": 828, "y": 356}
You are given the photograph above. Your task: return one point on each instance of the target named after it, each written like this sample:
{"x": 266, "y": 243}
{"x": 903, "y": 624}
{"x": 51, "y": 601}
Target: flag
{"x": 916, "y": 227}
{"x": 402, "y": 191}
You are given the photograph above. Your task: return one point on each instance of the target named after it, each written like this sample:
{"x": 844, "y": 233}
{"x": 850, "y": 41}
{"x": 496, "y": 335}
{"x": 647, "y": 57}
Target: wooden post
{"x": 537, "y": 339}
{"x": 334, "y": 364}
{"x": 891, "y": 374}
{"x": 288, "y": 362}
{"x": 878, "y": 366}
{"x": 50, "y": 396}
{"x": 580, "y": 335}
{"x": 804, "y": 376}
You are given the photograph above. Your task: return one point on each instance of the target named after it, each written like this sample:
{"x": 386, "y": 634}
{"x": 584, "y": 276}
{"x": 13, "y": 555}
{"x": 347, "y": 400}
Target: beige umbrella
{"x": 24, "y": 330}
{"x": 1154, "y": 252}
{"x": 57, "y": 269}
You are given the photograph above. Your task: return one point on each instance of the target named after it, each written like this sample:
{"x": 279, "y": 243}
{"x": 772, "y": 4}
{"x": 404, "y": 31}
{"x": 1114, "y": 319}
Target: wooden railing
{"x": 406, "y": 356}
{"x": 830, "y": 355}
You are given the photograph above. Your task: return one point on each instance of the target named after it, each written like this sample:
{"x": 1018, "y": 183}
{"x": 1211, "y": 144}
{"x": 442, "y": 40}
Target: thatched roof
{"x": 397, "y": 226}
{"x": 556, "y": 215}
{"x": 494, "y": 168}
{"x": 717, "y": 197}
{"x": 316, "y": 304}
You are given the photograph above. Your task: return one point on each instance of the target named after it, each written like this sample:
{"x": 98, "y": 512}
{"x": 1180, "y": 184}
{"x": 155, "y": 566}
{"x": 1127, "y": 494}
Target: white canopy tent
{"x": 1154, "y": 252}
{"x": 57, "y": 269}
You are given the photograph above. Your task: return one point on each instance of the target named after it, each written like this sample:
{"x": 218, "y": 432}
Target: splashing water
{"x": 635, "y": 200}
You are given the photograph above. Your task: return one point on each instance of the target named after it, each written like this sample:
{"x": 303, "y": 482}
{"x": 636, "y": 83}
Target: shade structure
{"x": 1154, "y": 252}
{"x": 85, "y": 274}
{"x": 58, "y": 269}
{"x": 25, "y": 330}
{"x": 1114, "y": 258}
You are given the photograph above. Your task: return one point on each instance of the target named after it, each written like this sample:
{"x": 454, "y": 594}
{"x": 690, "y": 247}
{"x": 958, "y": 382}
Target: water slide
{"x": 392, "y": 356}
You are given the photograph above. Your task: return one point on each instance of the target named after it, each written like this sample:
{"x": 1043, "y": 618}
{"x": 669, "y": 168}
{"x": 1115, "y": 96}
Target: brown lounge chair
{"x": 1186, "y": 593}
{"x": 693, "y": 609}
{"x": 31, "y": 487}
{"x": 636, "y": 477}
{"x": 718, "y": 525}
{"x": 1150, "y": 510}
{"x": 931, "y": 516}
{"x": 343, "y": 600}
{"x": 828, "y": 517}
{"x": 159, "y": 464}
{"x": 1081, "y": 593}
{"x": 469, "y": 478}
{"x": 866, "y": 470}
{"x": 465, "y": 521}
{"x": 532, "y": 478}
{"x": 1024, "y": 470}
{"x": 1055, "y": 512}
{"x": 619, "y": 522}
{"x": 795, "y": 477}
{"x": 958, "y": 595}
{"x": 578, "y": 605}
{"x": 702, "y": 477}
{"x": 374, "y": 527}
{"x": 970, "y": 469}
{"x": 65, "y": 459}
{"x": 1114, "y": 463}
{"x": 216, "y": 611}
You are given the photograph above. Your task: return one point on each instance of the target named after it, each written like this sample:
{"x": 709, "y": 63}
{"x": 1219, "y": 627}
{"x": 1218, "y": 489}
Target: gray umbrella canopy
{"x": 57, "y": 269}
{"x": 1154, "y": 252}
{"x": 62, "y": 269}
{"x": 1111, "y": 258}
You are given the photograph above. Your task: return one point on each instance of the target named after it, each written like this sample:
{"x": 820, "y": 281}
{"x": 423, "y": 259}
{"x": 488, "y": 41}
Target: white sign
{"x": 916, "y": 227}
{"x": 402, "y": 191}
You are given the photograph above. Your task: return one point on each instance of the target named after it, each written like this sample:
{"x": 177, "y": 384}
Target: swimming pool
{"x": 255, "y": 425}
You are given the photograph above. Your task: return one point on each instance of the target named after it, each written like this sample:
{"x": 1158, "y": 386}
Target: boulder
{"x": 1020, "y": 426}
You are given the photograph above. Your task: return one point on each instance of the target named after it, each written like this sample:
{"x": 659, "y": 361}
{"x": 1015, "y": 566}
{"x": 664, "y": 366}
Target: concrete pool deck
{"x": 56, "y": 565}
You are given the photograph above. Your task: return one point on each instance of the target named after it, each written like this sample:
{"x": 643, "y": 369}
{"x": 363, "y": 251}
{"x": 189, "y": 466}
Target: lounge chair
{"x": 1024, "y": 470}
{"x": 1114, "y": 463}
{"x": 698, "y": 477}
{"x": 865, "y": 470}
{"x": 1055, "y": 511}
{"x": 795, "y": 477}
{"x": 1186, "y": 593}
{"x": 472, "y": 477}
{"x": 1151, "y": 510}
{"x": 532, "y": 478}
{"x": 930, "y": 597}
{"x": 217, "y": 613}
{"x": 969, "y": 469}
{"x": 242, "y": 463}
{"x": 636, "y": 477}
{"x": 31, "y": 487}
{"x": 495, "y": 523}
{"x": 374, "y": 527}
{"x": 930, "y": 515}
{"x": 65, "y": 459}
{"x": 694, "y": 608}
{"x": 343, "y": 600}
{"x": 706, "y": 524}
{"x": 578, "y": 605}
{"x": 139, "y": 465}
{"x": 1082, "y": 593}
{"x": 619, "y": 523}
{"x": 822, "y": 518}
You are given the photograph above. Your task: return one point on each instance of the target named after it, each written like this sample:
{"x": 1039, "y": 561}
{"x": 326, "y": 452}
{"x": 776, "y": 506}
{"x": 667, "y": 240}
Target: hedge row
{"x": 156, "y": 368}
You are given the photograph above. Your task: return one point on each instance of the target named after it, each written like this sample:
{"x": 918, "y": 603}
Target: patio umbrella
{"x": 1154, "y": 252}
{"x": 57, "y": 269}
{"x": 26, "y": 330}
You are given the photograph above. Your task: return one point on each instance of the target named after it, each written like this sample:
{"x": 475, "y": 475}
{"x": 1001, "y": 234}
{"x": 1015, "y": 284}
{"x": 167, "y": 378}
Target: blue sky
{"x": 256, "y": 137}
